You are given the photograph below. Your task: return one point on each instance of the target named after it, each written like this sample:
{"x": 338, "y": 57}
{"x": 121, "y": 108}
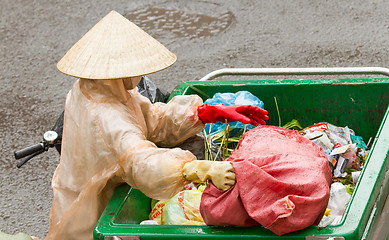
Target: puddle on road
{"x": 172, "y": 23}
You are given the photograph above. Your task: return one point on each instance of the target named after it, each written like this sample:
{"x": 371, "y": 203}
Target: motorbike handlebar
{"x": 30, "y": 150}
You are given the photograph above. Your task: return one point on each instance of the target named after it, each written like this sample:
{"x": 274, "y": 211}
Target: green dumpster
{"x": 359, "y": 103}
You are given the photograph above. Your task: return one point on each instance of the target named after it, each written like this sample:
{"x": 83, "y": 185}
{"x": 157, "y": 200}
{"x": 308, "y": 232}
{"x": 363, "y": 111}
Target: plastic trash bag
{"x": 339, "y": 198}
{"x": 228, "y": 99}
{"x": 149, "y": 222}
{"x": 196, "y": 146}
{"x": 282, "y": 183}
{"x": 183, "y": 209}
{"x": 58, "y": 128}
{"x": 148, "y": 89}
{"x": 156, "y": 212}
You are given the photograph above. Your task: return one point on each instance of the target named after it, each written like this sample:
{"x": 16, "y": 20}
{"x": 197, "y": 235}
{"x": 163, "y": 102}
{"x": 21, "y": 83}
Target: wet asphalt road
{"x": 205, "y": 35}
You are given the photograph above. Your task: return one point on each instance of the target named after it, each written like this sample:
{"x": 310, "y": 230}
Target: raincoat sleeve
{"x": 170, "y": 124}
{"x": 157, "y": 172}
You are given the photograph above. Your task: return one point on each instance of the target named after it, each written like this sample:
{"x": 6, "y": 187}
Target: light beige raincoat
{"x": 110, "y": 136}
{"x": 111, "y": 132}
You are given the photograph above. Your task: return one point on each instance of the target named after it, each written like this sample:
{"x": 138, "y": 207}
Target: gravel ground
{"x": 205, "y": 35}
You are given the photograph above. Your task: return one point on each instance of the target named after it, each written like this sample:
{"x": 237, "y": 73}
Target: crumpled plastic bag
{"x": 156, "y": 212}
{"x": 282, "y": 183}
{"x": 228, "y": 99}
{"x": 183, "y": 209}
{"x": 196, "y": 146}
{"x": 147, "y": 88}
{"x": 339, "y": 199}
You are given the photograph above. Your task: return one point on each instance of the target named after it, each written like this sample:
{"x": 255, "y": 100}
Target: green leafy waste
{"x": 226, "y": 143}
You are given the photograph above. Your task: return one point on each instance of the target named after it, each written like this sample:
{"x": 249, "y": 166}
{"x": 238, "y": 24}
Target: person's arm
{"x": 157, "y": 172}
{"x": 170, "y": 124}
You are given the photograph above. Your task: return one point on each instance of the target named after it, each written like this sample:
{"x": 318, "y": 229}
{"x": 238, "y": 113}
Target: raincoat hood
{"x": 118, "y": 88}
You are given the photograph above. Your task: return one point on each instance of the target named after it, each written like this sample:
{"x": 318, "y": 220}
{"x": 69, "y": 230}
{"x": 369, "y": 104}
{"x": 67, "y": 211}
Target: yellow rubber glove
{"x": 221, "y": 173}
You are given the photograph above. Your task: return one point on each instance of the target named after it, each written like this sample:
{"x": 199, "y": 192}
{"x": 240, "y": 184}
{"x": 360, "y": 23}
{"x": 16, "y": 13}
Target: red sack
{"x": 282, "y": 183}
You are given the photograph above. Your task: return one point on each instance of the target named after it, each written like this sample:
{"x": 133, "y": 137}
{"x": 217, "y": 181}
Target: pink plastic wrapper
{"x": 282, "y": 183}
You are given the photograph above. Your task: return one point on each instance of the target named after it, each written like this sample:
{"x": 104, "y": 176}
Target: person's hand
{"x": 247, "y": 114}
{"x": 221, "y": 173}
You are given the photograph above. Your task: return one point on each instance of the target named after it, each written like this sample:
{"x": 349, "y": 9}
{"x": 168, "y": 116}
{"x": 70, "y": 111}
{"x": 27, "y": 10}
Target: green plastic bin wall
{"x": 361, "y": 104}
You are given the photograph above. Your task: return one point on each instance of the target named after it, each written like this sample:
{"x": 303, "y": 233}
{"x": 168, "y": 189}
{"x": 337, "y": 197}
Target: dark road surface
{"x": 205, "y": 35}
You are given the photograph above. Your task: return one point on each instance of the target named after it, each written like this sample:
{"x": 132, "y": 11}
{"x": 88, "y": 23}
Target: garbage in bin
{"x": 156, "y": 212}
{"x": 282, "y": 183}
{"x": 339, "y": 198}
{"x": 238, "y": 98}
{"x": 342, "y": 147}
{"x": 149, "y": 222}
{"x": 183, "y": 209}
{"x": 344, "y": 150}
{"x": 344, "y": 183}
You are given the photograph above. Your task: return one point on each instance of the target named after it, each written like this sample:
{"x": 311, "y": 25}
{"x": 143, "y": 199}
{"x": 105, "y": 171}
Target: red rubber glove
{"x": 242, "y": 113}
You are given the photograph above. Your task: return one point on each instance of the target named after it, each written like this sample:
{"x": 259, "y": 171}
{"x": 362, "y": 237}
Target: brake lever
{"x": 21, "y": 163}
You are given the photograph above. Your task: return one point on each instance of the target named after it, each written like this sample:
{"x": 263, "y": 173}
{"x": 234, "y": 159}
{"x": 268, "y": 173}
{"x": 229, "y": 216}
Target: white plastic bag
{"x": 183, "y": 209}
{"x": 339, "y": 198}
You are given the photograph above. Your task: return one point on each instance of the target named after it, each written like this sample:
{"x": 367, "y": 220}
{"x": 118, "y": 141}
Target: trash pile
{"x": 346, "y": 153}
{"x": 345, "y": 150}
{"x": 182, "y": 209}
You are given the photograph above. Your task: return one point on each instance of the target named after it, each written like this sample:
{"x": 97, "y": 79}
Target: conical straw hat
{"x": 115, "y": 48}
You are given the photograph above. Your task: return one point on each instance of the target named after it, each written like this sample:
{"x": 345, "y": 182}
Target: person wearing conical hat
{"x": 112, "y": 134}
